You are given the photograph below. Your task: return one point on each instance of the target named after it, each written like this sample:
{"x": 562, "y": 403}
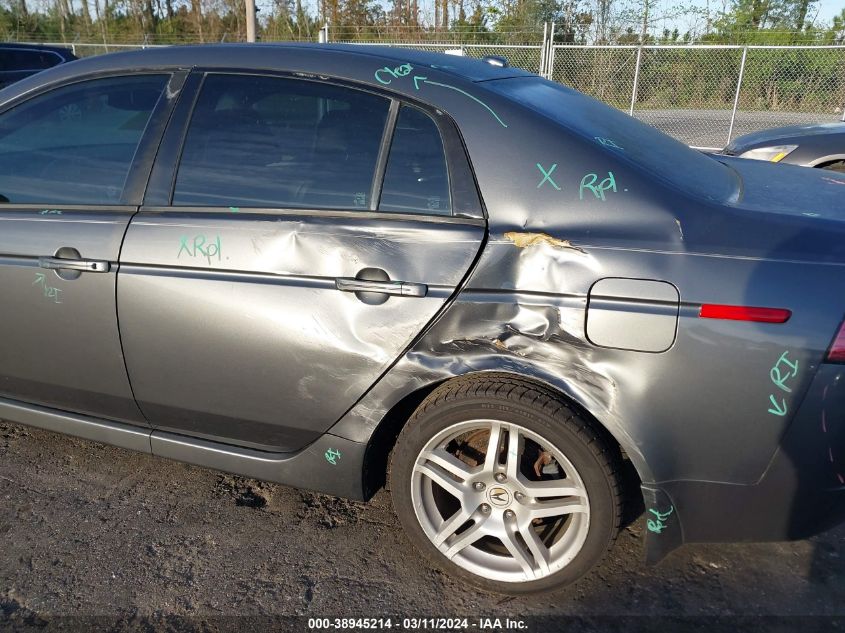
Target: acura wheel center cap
{"x": 499, "y": 496}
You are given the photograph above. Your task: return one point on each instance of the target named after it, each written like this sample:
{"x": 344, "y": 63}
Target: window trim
{"x": 466, "y": 201}
{"x": 304, "y": 212}
{"x": 384, "y": 154}
{"x": 162, "y": 179}
{"x": 140, "y": 170}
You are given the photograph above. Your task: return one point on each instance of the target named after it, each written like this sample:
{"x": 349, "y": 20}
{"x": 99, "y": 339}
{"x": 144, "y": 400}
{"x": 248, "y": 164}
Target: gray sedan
{"x": 344, "y": 267}
{"x": 821, "y": 145}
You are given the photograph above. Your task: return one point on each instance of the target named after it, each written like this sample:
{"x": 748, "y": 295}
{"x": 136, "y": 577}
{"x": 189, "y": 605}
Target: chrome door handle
{"x": 398, "y": 288}
{"x": 83, "y": 265}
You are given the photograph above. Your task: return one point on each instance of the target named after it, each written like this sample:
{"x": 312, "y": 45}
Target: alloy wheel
{"x": 500, "y": 500}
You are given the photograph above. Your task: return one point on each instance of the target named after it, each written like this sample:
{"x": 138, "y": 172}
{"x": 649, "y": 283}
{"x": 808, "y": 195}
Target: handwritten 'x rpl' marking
{"x": 547, "y": 175}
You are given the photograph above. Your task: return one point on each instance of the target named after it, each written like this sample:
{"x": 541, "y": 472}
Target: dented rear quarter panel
{"x": 708, "y": 408}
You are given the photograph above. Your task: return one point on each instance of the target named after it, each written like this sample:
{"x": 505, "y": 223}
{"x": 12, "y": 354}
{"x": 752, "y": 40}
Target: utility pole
{"x": 250, "y": 20}
{"x": 644, "y": 32}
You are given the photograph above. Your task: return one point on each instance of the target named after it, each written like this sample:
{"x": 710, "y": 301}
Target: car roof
{"x": 280, "y": 55}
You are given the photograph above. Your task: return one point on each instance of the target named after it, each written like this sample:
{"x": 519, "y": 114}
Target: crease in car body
{"x": 548, "y": 327}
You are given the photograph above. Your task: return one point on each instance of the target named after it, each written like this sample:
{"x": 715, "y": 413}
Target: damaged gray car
{"x": 343, "y": 267}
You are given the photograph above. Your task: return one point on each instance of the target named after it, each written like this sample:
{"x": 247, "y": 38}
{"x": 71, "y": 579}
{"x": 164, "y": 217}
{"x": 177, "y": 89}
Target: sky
{"x": 821, "y": 13}
{"x": 830, "y": 8}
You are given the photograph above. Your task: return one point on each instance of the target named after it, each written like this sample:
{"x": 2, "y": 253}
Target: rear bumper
{"x": 802, "y": 492}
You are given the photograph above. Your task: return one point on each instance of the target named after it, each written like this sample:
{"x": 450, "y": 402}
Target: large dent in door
{"x": 523, "y": 312}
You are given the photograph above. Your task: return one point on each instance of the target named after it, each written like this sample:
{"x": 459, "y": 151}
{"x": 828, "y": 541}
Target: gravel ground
{"x": 89, "y": 530}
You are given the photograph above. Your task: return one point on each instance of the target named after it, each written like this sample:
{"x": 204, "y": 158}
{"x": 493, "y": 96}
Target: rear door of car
{"x": 73, "y": 164}
{"x": 297, "y": 234}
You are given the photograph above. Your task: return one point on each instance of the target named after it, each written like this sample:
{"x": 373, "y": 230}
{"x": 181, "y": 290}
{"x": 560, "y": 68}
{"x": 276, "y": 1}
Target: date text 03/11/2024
{"x": 418, "y": 624}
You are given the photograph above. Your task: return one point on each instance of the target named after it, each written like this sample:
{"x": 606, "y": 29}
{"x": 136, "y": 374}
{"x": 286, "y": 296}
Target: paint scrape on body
{"x": 524, "y": 240}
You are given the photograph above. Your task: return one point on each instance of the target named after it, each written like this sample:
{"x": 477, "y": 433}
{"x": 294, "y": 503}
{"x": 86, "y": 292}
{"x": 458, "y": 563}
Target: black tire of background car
{"x": 541, "y": 410}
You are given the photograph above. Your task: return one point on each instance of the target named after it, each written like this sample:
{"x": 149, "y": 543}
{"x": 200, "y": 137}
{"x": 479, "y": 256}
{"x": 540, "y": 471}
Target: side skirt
{"x": 134, "y": 438}
{"x": 332, "y": 465}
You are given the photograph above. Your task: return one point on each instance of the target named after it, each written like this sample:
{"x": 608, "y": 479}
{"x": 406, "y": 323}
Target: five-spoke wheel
{"x": 506, "y": 484}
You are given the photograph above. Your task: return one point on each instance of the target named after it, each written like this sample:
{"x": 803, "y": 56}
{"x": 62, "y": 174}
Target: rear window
{"x": 642, "y": 145}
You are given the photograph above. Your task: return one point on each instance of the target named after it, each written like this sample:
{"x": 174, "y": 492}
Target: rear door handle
{"x": 397, "y": 288}
{"x": 83, "y": 265}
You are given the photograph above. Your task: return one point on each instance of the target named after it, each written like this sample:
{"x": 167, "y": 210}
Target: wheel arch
{"x": 383, "y": 437}
{"x": 823, "y": 161}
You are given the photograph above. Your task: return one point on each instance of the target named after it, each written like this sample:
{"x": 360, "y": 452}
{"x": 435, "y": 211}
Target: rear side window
{"x": 273, "y": 142}
{"x": 75, "y": 144}
{"x": 416, "y": 179}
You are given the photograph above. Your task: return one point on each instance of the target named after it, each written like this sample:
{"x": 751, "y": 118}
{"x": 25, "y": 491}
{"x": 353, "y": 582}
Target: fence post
{"x": 323, "y": 35}
{"x": 542, "y": 70}
{"x": 550, "y": 54}
{"x": 636, "y": 81}
{"x": 736, "y": 97}
{"x": 249, "y": 6}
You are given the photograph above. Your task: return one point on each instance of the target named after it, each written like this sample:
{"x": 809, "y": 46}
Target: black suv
{"x": 22, "y": 60}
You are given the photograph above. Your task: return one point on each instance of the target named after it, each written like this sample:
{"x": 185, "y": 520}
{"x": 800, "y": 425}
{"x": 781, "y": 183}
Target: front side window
{"x": 258, "y": 141}
{"x": 75, "y": 144}
{"x": 416, "y": 179}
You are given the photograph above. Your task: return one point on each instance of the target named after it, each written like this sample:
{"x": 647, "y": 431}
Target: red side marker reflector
{"x": 836, "y": 353}
{"x": 744, "y": 313}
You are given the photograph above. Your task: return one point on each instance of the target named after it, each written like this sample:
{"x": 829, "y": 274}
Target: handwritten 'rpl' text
{"x": 200, "y": 247}
{"x": 588, "y": 182}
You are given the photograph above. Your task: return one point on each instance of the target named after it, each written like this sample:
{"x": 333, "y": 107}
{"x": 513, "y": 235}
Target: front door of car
{"x": 69, "y": 159}
{"x": 270, "y": 278}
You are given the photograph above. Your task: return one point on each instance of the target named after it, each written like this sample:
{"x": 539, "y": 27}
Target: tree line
{"x": 470, "y": 21}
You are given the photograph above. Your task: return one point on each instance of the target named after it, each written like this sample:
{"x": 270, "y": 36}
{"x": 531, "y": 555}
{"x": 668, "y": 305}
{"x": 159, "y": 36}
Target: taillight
{"x": 744, "y": 313}
{"x": 836, "y": 352}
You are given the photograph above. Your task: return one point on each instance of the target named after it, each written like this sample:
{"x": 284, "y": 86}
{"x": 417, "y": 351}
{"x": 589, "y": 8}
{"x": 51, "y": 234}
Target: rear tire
{"x": 536, "y": 512}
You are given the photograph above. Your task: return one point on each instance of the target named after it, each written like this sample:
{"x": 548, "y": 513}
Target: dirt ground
{"x": 92, "y": 530}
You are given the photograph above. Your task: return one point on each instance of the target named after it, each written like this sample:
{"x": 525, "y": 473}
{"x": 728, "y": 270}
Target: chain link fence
{"x": 88, "y": 50}
{"x": 529, "y": 57}
{"x": 702, "y": 95}
{"x": 707, "y": 95}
